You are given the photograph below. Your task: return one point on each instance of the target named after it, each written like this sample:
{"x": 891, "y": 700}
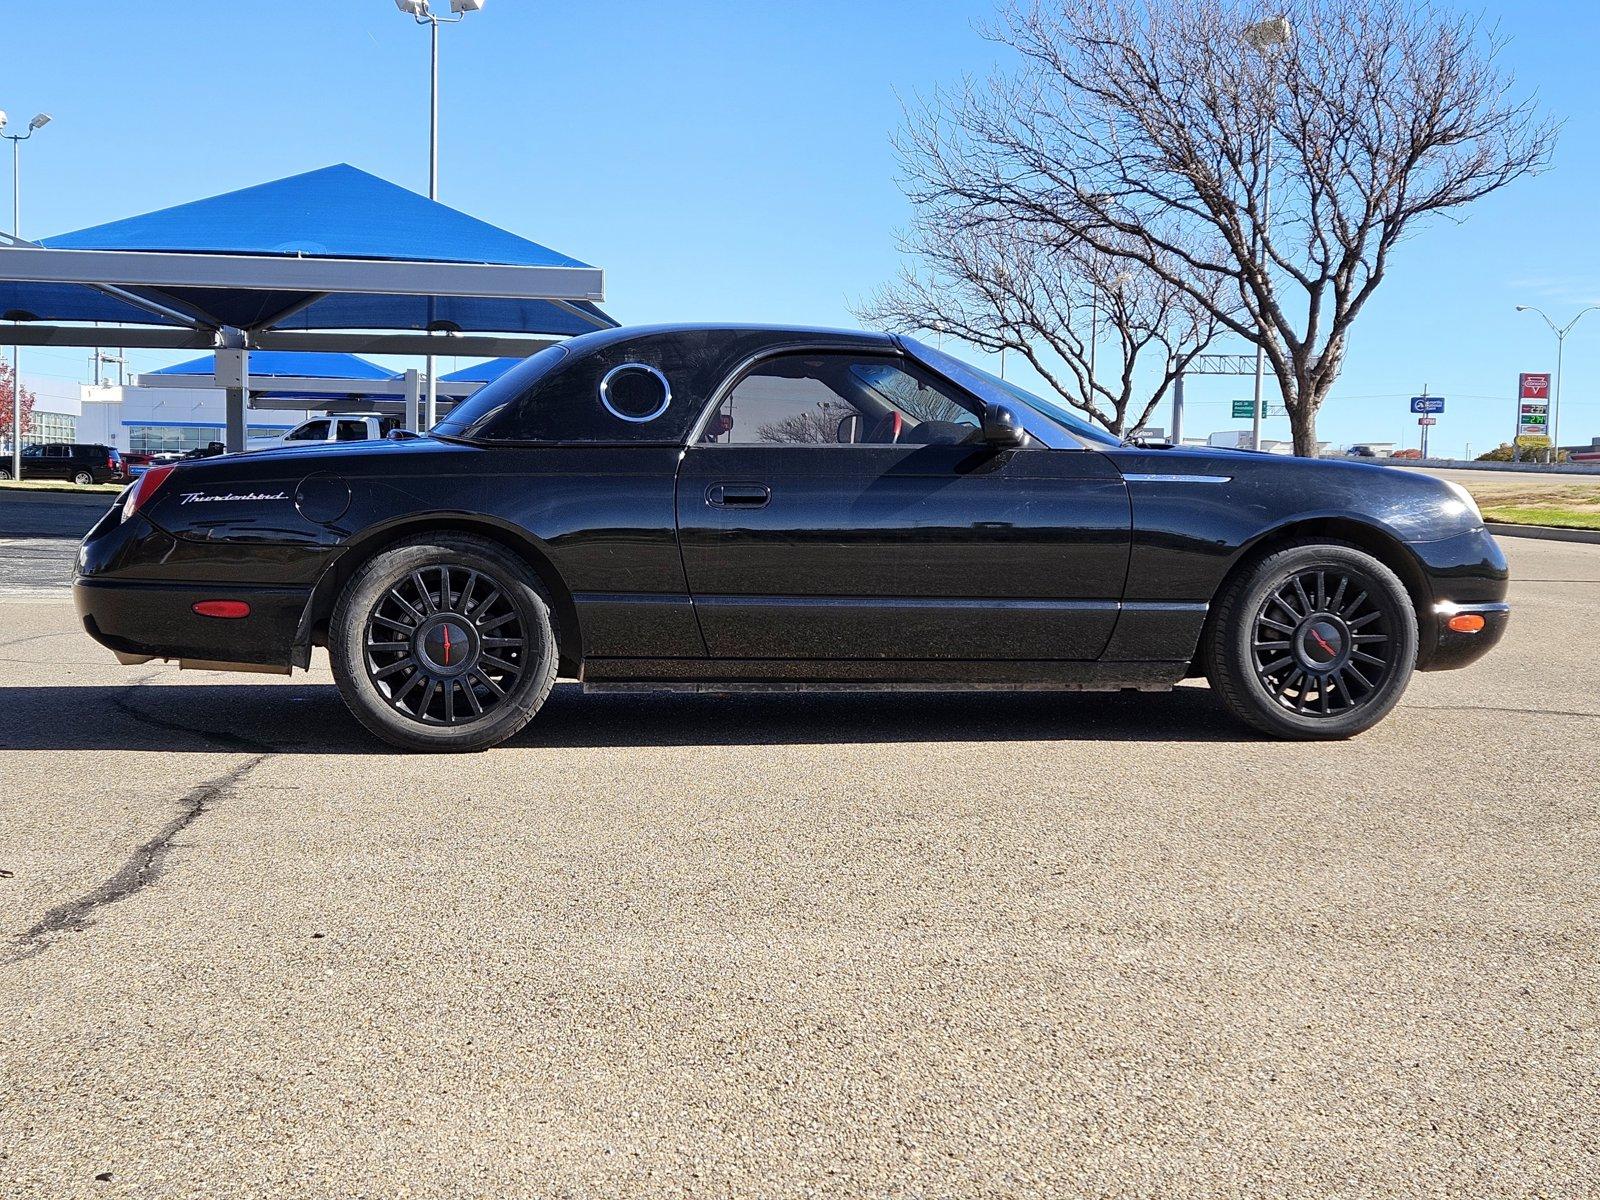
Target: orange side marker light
{"x": 1466, "y": 622}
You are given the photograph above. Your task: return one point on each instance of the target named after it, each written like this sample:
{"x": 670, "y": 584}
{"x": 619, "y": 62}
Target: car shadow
{"x": 311, "y": 719}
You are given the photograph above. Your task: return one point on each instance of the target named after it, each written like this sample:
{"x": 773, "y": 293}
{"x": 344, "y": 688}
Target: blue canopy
{"x": 484, "y": 372}
{"x": 298, "y": 363}
{"x": 268, "y": 366}
{"x": 336, "y": 212}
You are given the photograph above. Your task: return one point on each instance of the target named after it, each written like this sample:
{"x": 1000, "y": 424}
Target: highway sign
{"x": 1427, "y": 404}
{"x": 1244, "y": 410}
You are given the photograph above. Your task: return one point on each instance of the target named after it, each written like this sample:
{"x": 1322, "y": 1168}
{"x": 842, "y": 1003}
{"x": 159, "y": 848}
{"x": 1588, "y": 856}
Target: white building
{"x": 154, "y": 420}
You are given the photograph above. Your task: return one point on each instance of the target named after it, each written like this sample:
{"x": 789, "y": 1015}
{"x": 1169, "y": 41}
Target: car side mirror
{"x": 1001, "y": 427}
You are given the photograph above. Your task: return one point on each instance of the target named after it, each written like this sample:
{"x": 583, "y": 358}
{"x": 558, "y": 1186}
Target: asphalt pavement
{"x": 966, "y": 945}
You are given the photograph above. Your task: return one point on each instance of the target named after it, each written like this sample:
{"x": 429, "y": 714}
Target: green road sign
{"x": 1244, "y": 409}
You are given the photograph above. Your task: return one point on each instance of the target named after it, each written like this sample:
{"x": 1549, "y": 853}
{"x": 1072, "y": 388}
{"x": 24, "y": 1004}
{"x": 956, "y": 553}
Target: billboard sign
{"x": 1427, "y": 420}
{"x": 1427, "y": 404}
{"x": 1533, "y": 404}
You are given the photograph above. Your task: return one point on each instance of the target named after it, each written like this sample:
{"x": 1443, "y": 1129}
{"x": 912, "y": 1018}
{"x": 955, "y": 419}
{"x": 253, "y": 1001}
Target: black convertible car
{"x": 729, "y": 507}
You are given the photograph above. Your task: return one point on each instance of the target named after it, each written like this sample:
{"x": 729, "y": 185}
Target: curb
{"x": 1549, "y": 533}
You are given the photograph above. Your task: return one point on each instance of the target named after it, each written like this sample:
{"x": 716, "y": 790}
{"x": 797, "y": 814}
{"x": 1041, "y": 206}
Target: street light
{"x": 39, "y": 121}
{"x": 1561, "y": 332}
{"x": 1122, "y": 280}
{"x": 421, "y": 12}
{"x": 1262, "y": 37}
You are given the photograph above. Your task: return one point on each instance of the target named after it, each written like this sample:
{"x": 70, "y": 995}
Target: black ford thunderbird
{"x": 730, "y": 507}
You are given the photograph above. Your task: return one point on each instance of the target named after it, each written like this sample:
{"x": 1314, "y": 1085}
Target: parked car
{"x": 335, "y": 427}
{"x": 75, "y": 462}
{"x": 134, "y": 463}
{"x": 733, "y": 507}
{"x": 1411, "y": 455}
{"x": 1362, "y": 452}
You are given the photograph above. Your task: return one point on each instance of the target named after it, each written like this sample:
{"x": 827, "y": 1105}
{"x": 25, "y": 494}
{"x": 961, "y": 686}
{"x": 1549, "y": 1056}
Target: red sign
{"x": 1534, "y": 386}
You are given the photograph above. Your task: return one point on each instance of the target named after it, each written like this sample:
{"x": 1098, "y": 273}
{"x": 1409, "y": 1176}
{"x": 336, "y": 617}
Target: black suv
{"x": 77, "y": 462}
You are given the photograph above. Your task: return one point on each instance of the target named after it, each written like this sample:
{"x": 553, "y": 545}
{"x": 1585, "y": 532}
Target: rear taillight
{"x": 145, "y": 489}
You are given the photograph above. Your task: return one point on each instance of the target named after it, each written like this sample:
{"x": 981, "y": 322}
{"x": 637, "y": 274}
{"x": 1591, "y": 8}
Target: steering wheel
{"x": 888, "y": 429}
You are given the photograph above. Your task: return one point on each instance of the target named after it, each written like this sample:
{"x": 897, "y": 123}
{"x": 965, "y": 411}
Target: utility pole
{"x": 421, "y": 12}
{"x": 16, "y": 140}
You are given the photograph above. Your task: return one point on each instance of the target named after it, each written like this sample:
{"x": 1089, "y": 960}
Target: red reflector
{"x": 1466, "y": 622}
{"x": 222, "y": 608}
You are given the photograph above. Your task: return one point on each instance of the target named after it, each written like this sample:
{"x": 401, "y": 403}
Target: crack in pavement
{"x": 145, "y": 864}
{"x": 142, "y": 868}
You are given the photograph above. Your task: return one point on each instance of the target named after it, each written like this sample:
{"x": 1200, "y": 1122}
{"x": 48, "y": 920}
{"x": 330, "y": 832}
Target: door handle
{"x": 738, "y": 495}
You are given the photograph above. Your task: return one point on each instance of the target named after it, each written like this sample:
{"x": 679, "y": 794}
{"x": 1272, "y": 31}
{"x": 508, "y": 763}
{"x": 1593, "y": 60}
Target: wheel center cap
{"x": 447, "y": 645}
{"x": 1322, "y": 641}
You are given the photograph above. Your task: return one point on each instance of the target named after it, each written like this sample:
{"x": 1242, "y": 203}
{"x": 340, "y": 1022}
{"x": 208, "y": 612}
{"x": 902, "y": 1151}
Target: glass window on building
{"x": 50, "y": 427}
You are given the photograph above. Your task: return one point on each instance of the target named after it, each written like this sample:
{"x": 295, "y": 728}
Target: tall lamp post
{"x": 1561, "y": 332}
{"x": 1262, "y": 37}
{"x": 421, "y": 12}
{"x": 16, "y": 140}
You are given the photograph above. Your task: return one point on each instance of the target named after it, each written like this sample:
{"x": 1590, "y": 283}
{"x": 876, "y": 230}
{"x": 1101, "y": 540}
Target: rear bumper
{"x": 157, "y": 620}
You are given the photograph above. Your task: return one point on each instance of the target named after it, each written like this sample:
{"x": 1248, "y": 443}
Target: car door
{"x": 843, "y": 506}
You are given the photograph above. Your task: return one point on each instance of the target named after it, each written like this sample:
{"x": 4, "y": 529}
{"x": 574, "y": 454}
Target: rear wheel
{"x": 83, "y": 478}
{"x": 1314, "y": 641}
{"x": 445, "y": 643}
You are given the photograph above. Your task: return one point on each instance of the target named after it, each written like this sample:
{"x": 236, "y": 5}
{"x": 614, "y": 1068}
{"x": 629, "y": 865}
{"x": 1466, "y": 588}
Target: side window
{"x": 311, "y": 431}
{"x": 352, "y": 431}
{"x": 841, "y": 400}
{"x": 57, "y": 450}
{"x": 33, "y": 452}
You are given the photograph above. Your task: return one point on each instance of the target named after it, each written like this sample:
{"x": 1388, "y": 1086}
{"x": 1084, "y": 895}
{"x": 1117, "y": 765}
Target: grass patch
{"x": 1558, "y": 518}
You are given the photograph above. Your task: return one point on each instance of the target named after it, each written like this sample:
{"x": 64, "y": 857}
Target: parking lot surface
{"x": 968, "y": 945}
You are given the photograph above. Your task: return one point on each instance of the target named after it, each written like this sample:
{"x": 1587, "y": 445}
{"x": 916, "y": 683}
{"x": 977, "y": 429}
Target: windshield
{"x": 993, "y": 390}
{"x": 497, "y": 393}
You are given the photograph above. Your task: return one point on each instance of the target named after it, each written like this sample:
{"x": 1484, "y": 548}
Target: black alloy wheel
{"x": 446, "y": 643}
{"x": 1312, "y": 641}
{"x": 1322, "y": 644}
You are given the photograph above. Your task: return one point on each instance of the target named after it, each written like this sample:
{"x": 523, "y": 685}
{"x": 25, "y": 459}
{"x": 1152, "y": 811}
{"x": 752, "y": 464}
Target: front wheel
{"x": 5, "y": 472}
{"x": 1315, "y": 641}
{"x": 83, "y": 478}
{"x": 444, "y": 643}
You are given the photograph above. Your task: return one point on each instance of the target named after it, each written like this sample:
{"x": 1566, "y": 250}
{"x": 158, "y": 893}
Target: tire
{"x": 83, "y": 478}
{"x": 5, "y": 472}
{"x": 1316, "y": 641}
{"x": 398, "y": 676}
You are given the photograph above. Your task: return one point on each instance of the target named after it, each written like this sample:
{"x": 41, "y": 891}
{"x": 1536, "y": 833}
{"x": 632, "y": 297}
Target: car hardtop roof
{"x": 774, "y": 334}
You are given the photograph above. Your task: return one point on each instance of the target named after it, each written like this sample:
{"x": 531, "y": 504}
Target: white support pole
{"x": 233, "y": 376}
{"x": 1177, "y": 409}
{"x": 413, "y": 390}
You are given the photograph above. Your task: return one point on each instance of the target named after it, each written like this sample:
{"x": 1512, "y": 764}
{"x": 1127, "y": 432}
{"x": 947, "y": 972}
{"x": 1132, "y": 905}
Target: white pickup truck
{"x": 335, "y": 427}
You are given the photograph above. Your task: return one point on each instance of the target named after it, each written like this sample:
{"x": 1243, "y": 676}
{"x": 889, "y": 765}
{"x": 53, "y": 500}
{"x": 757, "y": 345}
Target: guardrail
{"x": 1454, "y": 464}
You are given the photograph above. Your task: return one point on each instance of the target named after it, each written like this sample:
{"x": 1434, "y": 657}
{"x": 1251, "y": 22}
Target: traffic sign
{"x": 1244, "y": 410}
{"x": 1427, "y": 404}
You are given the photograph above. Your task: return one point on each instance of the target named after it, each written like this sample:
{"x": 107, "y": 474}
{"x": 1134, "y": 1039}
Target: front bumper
{"x": 1467, "y": 574}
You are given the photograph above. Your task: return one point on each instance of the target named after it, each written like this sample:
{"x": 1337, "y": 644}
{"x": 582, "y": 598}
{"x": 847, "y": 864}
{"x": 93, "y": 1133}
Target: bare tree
{"x": 1165, "y": 133}
{"x": 998, "y": 288}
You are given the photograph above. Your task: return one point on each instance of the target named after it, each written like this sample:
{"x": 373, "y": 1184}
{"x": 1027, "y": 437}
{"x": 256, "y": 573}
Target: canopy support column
{"x": 233, "y": 376}
{"x": 413, "y": 392}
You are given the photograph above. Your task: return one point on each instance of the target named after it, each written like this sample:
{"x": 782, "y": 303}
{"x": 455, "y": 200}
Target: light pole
{"x": 1123, "y": 278}
{"x": 1261, "y": 37}
{"x": 422, "y": 13}
{"x": 1561, "y": 332}
{"x": 39, "y": 121}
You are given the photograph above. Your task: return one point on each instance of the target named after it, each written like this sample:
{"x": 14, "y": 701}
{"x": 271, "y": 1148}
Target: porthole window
{"x": 635, "y": 392}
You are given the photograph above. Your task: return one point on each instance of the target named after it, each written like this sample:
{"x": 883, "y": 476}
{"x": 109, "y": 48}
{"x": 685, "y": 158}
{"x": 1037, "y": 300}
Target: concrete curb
{"x": 1547, "y": 533}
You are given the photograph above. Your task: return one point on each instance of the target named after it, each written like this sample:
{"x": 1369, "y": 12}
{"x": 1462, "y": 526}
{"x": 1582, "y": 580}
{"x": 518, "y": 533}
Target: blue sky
{"x": 731, "y": 161}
